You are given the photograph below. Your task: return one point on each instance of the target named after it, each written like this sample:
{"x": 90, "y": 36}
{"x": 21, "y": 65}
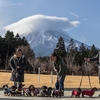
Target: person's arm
{"x": 95, "y": 58}
{"x": 92, "y": 59}
{"x": 24, "y": 63}
{"x": 55, "y": 68}
{"x": 12, "y": 65}
{"x": 60, "y": 66}
{"x": 60, "y": 70}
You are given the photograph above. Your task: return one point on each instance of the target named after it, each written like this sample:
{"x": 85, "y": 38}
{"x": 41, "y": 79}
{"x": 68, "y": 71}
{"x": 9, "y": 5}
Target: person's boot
{"x": 62, "y": 90}
{"x": 62, "y": 93}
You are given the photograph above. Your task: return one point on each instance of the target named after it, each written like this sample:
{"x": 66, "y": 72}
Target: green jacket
{"x": 60, "y": 67}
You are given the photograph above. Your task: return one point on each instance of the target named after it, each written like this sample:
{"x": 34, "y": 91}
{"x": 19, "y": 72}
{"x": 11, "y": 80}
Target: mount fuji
{"x": 44, "y": 43}
{"x": 42, "y": 32}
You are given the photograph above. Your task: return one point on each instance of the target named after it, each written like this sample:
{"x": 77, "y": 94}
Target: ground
{"x": 48, "y": 80}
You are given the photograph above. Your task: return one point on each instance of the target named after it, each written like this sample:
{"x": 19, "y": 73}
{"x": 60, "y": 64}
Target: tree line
{"x": 8, "y": 44}
{"x": 72, "y": 55}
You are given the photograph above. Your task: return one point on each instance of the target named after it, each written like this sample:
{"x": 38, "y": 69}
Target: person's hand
{"x": 58, "y": 78}
{"x": 87, "y": 59}
{"x": 56, "y": 70}
{"x": 17, "y": 75}
{"x": 18, "y": 67}
{"x": 14, "y": 71}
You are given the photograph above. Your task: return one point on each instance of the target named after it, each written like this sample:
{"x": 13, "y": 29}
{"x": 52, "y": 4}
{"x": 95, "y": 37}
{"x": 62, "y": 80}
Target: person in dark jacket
{"x": 61, "y": 70}
{"x": 17, "y": 64}
{"x": 96, "y": 58}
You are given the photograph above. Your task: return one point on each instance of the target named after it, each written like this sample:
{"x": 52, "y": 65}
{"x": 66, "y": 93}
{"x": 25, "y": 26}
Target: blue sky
{"x": 84, "y": 11}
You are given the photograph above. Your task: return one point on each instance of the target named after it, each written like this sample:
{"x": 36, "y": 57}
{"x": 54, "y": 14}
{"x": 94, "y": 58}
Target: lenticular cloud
{"x": 41, "y": 23}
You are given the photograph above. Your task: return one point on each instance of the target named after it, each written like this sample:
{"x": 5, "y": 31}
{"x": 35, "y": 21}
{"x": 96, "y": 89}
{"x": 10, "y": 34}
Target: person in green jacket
{"x": 61, "y": 70}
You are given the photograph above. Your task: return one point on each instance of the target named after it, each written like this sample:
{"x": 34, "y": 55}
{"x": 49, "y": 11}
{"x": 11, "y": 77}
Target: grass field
{"x": 70, "y": 81}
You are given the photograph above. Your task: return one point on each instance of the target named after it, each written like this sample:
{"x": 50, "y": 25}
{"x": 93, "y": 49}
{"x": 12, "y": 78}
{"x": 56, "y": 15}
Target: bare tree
{"x": 7, "y": 61}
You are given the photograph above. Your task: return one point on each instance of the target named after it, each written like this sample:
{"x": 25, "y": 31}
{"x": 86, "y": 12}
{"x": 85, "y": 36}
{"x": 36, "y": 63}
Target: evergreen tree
{"x": 71, "y": 51}
{"x": 71, "y": 55}
{"x": 8, "y": 44}
{"x": 18, "y": 40}
{"x": 9, "y": 39}
{"x": 93, "y": 51}
{"x": 83, "y": 54}
{"x": 9, "y": 35}
{"x": 24, "y": 41}
{"x": 76, "y": 56}
{"x": 71, "y": 46}
{"x": 60, "y": 49}
{"x": 17, "y": 37}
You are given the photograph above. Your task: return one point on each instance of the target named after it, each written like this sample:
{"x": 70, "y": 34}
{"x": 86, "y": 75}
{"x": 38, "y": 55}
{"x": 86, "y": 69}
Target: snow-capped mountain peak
{"x": 45, "y": 42}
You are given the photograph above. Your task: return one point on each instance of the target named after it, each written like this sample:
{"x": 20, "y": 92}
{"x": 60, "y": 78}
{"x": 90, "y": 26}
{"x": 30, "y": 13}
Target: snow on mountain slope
{"x": 44, "y": 42}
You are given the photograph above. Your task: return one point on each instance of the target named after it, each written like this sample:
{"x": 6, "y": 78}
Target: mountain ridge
{"x": 44, "y": 42}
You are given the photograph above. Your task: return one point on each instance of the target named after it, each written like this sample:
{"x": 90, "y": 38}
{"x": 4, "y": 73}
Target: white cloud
{"x": 3, "y": 3}
{"x": 74, "y": 14}
{"x": 41, "y": 23}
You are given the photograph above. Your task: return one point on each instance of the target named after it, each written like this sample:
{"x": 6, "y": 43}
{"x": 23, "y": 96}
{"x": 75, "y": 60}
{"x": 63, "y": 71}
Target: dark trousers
{"x": 60, "y": 83}
{"x": 17, "y": 84}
